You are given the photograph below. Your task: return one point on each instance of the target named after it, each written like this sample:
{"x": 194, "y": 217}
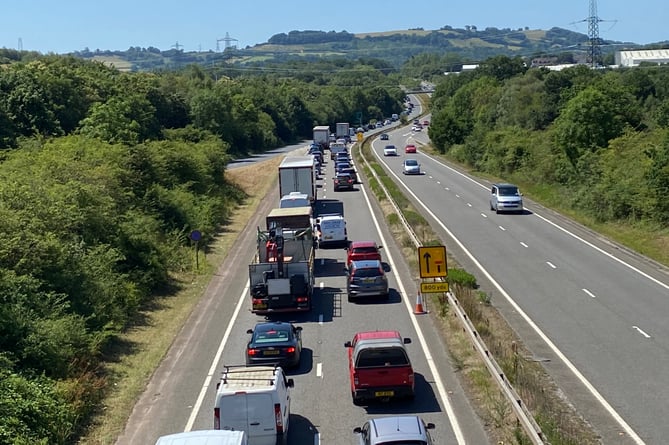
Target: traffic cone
{"x": 419, "y": 305}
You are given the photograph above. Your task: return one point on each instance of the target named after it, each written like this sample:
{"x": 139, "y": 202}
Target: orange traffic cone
{"x": 419, "y": 305}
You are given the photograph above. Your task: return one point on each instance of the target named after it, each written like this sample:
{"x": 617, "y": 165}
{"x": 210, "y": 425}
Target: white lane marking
{"x": 641, "y": 331}
{"x": 553, "y": 266}
{"x": 589, "y": 293}
{"x": 596, "y": 394}
{"x": 439, "y": 182}
{"x": 319, "y": 370}
{"x": 469, "y": 204}
{"x": 443, "y": 394}
{"x": 484, "y": 215}
{"x": 523, "y": 244}
{"x": 502, "y": 228}
{"x": 430, "y": 176}
{"x": 457, "y": 195}
{"x": 214, "y": 364}
{"x": 446, "y": 188}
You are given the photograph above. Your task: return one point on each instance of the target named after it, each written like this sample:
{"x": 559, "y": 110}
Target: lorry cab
{"x": 255, "y": 400}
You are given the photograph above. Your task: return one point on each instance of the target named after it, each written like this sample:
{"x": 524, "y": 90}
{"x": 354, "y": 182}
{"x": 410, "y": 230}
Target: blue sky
{"x": 70, "y": 25}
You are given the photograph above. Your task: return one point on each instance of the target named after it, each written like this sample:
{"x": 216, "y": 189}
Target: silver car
{"x": 366, "y": 278}
{"x": 506, "y": 198}
{"x": 411, "y": 167}
{"x": 397, "y": 429}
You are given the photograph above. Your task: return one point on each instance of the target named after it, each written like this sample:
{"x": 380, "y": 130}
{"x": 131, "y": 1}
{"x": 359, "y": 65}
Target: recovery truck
{"x": 281, "y": 276}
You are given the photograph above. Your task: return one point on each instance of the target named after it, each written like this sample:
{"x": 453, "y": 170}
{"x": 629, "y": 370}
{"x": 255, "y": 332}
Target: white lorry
{"x": 342, "y": 131}
{"x": 297, "y": 174}
{"x": 281, "y": 276}
{"x": 322, "y": 136}
{"x": 255, "y": 400}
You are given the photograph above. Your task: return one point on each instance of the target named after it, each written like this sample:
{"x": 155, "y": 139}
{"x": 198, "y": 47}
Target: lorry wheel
{"x": 350, "y": 298}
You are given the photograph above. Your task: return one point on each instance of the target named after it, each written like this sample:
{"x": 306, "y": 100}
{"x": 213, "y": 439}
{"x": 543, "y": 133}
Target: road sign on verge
{"x": 441, "y": 286}
{"x": 432, "y": 261}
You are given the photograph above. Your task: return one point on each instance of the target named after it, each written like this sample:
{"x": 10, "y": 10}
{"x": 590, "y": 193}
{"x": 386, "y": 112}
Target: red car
{"x": 379, "y": 366}
{"x": 362, "y": 250}
{"x": 426, "y": 123}
{"x": 410, "y": 148}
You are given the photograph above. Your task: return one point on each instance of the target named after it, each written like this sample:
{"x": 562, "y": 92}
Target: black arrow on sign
{"x": 427, "y": 257}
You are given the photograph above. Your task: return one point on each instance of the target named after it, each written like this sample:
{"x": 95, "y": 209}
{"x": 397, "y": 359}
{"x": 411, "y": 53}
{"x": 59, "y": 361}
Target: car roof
{"x": 271, "y": 325}
{"x": 363, "y": 244}
{"x": 504, "y": 184}
{"x": 365, "y": 264}
{"x": 398, "y": 428}
{"x": 390, "y": 146}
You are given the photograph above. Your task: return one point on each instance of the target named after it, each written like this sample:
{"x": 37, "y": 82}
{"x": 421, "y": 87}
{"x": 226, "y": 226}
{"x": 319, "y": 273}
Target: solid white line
{"x": 214, "y": 364}
{"x": 596, "y": 394}
{"x": 319, "y": 369}
{"x": 641, "y": 331}
{"x": 443, "y": 394}
{"x": 551, "y": 265}
{"x": 589, "y": 293}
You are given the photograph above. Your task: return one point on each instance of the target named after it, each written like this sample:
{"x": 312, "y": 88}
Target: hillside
{"x": 395, "y": 47}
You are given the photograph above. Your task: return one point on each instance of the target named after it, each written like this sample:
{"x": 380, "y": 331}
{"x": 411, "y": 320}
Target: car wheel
{"x": 356, "y": 401}
{"x": 350, "y": 298}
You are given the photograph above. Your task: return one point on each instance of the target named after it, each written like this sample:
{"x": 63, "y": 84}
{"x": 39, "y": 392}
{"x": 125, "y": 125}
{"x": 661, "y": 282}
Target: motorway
{"x": 181, "y": 393}
{"x": 591, "y": 311}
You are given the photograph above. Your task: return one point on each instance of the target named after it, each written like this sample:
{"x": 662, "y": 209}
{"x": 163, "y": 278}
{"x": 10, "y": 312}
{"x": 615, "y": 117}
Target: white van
{"x": 331, "y": 230}
{"x": 204, "y": 437}
{"x": 255, "y": 400}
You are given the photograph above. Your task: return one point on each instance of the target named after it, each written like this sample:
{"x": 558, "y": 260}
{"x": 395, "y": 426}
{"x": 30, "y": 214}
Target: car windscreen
{"x": 411, "y": 162}
{"x": 386, "y": 356}
{"x": 370, "y": 249}
{"x": 272, "y": 336}
{"x": 508, "y": 191}
{"x": 366, "y": 273}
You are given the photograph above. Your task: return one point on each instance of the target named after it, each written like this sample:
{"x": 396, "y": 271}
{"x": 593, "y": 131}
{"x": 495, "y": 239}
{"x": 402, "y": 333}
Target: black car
{"x": 343, "y": 181}
{"x": 384, "y": 136}
{"x": 276, "y": 343}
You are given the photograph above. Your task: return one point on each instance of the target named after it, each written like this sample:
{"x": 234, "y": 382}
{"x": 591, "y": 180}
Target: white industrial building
{"x": 635, "y": 57}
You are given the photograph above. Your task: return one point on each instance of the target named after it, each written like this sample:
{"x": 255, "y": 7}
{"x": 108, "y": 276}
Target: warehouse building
{"x": 634, "y": 58}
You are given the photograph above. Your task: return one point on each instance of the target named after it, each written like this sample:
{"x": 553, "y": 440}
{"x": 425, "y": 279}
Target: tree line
{"x": 103, "y": 176}
{"x": 594, "y": 141}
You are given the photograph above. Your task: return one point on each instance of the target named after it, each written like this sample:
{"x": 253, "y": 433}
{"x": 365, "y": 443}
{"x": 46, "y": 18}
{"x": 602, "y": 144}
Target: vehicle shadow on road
{"x": 301, "y": 431}
{"x": 328, "y": 267}
{"x": 306, "y": 363}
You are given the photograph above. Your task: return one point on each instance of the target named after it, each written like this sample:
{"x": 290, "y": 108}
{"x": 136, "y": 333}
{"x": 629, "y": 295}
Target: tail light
{"x": 217, "y": 418}
{"x": 252, "y": 351}
{"x": 356, "y": 382}
{"x": 278, "y": 419}
{"x": 411, "y": 379}
{"x": 290, "y": 350}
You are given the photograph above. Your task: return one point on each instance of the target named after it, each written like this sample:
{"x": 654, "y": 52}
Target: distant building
{"x": 543, "y": 61}
{"x": 635, "y": 57}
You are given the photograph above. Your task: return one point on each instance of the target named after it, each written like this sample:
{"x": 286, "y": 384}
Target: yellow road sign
{"x": 432, "y": 261}
{"x": 360, "y": 136}
{"x": 427, "y": 288}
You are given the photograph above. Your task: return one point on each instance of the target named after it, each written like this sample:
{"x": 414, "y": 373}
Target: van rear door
{"x": 251, "y": 412}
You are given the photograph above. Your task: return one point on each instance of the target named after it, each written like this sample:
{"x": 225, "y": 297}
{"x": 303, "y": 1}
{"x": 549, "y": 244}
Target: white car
{"x": 390, "y": 150}
{"x": 416, "y": 128}
{"x": 411, "y": 167}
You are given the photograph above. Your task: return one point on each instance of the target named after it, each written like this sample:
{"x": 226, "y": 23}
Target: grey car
{"x": 396, "y": 429}
{"x": 506, "y": 198}
{"x": 366, "y": 278}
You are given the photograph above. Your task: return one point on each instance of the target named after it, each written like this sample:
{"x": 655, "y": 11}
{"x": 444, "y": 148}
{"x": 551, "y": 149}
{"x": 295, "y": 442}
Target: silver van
{"x": 506, "y": 198}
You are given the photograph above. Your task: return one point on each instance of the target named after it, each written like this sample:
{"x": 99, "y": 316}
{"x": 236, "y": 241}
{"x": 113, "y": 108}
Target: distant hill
{"x": 469, "y": 45}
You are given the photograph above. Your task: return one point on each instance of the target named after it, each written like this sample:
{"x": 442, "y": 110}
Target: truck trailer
{"x": 322, "y": 136}
{"x": 342, "y": 131}
{"x": 281, "y": 277}
{"x": 297, "y": 174}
